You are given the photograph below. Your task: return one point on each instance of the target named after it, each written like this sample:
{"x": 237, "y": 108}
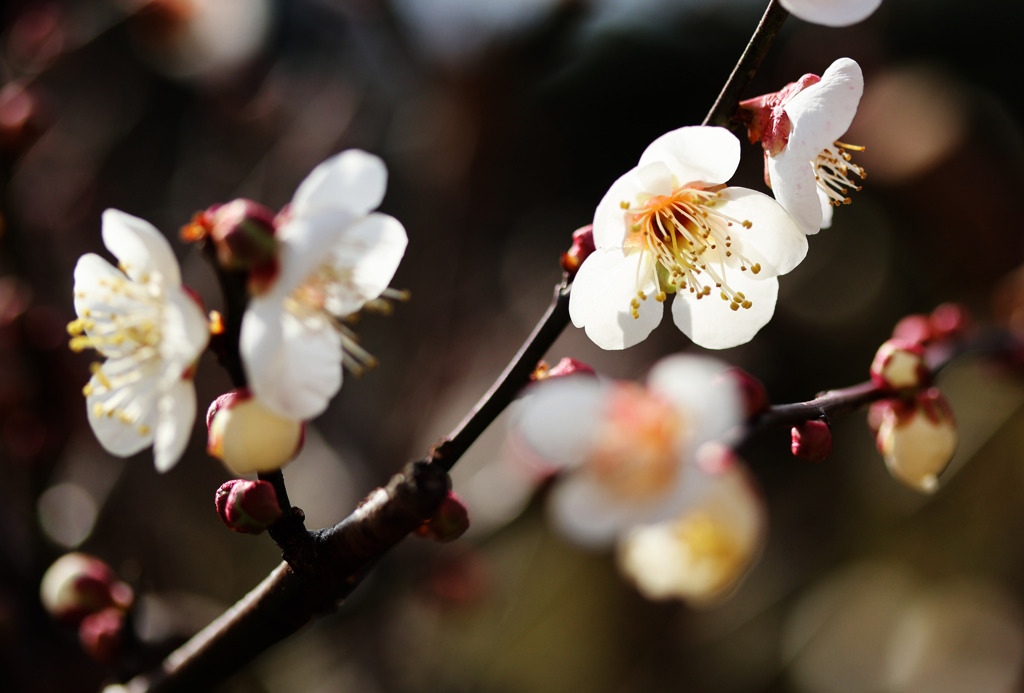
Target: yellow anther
{"x": 624, "y": 204}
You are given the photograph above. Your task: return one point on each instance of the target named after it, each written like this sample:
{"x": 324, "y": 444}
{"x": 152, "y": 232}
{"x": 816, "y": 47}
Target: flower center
{"x": 328, "y": 295}
{"x": 832, "y": 171}
{"x": 691, "y": 244}
{"x": 638, "y": 451}
{"x": 709, "y": 549}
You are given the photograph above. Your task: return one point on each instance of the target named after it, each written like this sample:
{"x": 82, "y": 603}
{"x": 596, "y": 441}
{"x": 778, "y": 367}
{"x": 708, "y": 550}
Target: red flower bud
{"x": 78, "y": 584}
{"x": 950, "y": 321}
{"x": 567, "y": 366}
{"x": 914, "y": 328}
{"x": 582, "y": 247}
{"x": 899, "y": 366}
{"x": 102, "y": 635}
{"x": 812, "y": 440}
{"x": 248, "y": 507}
{"x": 449, "y": 523}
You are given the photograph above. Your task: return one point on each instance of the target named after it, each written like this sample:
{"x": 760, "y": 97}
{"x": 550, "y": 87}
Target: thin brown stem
{"x": 722, "y": 111}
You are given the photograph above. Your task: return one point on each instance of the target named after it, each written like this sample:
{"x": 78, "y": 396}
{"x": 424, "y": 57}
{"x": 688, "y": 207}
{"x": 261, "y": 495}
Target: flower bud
{"x": 914, "y": 328}
{"x": 102, "y": 634}
{"x": 949, "y": 321}
{"x": 247, "y": 437}
{"x": 582, "y": 247}
{"x": 899, "y": 366}
{"x": 78, "y": 584}
{"x": 812, "y": 440}
{"x": 243, "y": 233}
{"x": 567, "y": 366}
{"x": 248, "y": 507}
{"x": 449, "y": 523}
{"x": 751, "y": 391}
{"x": 917, "y": 438}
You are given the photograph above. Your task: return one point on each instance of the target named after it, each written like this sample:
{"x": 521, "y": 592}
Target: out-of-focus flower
{"x": 77, "y": 584}
{"x": 752, "y": 391}
{"x": 917, "y": 438}
{"x": 247, "y": 437}
{"x": 899, "y": 365}
{"x": 248, "y": 507}
{"x": 626, "y": 451}
{"x": 102, "y": 634}
{"x": 812, "y": 440}
{"x": 671, "y": 226}
{"x": 701, "y": 555}
{"x": 832, "y": 12}
{"x": 335, "y": 256}
{"x": 806, "y": 166}
{"x": 151, "y": 331}
{"x": 449, "y": 522}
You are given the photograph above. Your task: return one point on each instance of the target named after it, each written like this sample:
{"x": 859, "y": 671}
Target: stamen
{"x": 832, "y": 171}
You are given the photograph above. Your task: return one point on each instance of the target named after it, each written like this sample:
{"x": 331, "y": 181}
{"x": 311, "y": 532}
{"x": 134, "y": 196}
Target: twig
{"x": 725, "y": 106}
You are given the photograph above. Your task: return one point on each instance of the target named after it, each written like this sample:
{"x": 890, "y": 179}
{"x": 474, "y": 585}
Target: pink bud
{"x": 449, "y": 523}
{"x": 917, "y": 438}
{"x": 751, "y": 390}
{"x": 567, "y": 366}
{"x": 78, "y": 584}
{"x": 899, "y": 366}
{"x": 812, "y": 440}
{"x": 582, "y": 247}
{"x": 914, "y": 328}
{"x": 950, "y": 321}
{"x": 247, "y": 506}
{"x": 247, "y": 437}
{"x": 102, "y": 635}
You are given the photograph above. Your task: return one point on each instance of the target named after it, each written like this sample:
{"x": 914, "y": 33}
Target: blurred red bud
{"x": 899, "y": 366}
{"x": 582, "y": 247}
{"x": 812, "y": 440}
{"x": 102, "y": 635}
{"x": 449, "y": 523}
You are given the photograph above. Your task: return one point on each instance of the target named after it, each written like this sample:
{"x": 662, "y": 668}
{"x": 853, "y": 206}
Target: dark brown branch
{"x": 728, "y": 100}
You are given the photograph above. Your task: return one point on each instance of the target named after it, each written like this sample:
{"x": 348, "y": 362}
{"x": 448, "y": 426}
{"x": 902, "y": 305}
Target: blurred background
{"x": 502, "y": 123}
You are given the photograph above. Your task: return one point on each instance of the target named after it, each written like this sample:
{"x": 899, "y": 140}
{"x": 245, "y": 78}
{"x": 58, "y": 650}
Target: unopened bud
{"x": 751, "y": 391}
{"x": 449, "y": 523}
{"x": 243, "y": 233}
{"x": 950, "y": 321}
{"x": 582, "y": 247}
{"x": 78, "y": 584}
{"x": 914, "y": 328}
{"x": 102, "y": 634}
{"x": 917, "y": 438}
{"x": 567, "y": 366}
{"x": 248, "y": 507}
{"x": 247, "y": 437}
{"x": 812, "y": 440}
{"x": 899, "y": 366}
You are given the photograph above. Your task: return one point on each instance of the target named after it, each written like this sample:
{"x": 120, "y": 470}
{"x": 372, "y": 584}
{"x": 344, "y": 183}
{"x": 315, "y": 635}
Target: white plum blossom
{"x": 625, "y": 452}
{"x": 150, "y": 330}
{"x": 701, "y": 555}
{"x": 832, "y": 12}
{"x": 807, "y": 168}
{"x": 336, "y": 255}
{"x": 670, "y": 225}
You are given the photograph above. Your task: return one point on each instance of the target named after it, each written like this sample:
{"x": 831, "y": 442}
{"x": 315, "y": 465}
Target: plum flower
{"x": 626, "y": 451}
{"x": 336, "y": 255}
{"x": 701, "y": 555}
{"x": 671, "y": 226}
{"x": 151, "y": 332}
{"x": 832, "y": 12}
{"x": 807, "y": 168}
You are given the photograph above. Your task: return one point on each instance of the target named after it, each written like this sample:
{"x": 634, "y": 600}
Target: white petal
{"x": 792, "y": 177}
{"x": 370, "y": 251}
{"x": 293, "y": 366}
{"x": 176, "y": 412}
{"x": 353, "y": 181}
{"x": 822, "y": 113}
{"x": 696, "y": 153}
{"x": 655, "y": 177}
{"x": 832, "y": 12}
{"x": 558, "y": 420}
{"x": 185, "y": 331}
{"x": 305, "y": 244}
{"x": 711, "y": 405}
{"x": 710, "y": 323}
{"x": 774, "y": 239}
{"x": 601, "y": 294}
{"x": 585, "y": 513}
{"x": 611, "y": 220}
{"x": 116, "y": 436}
{"x": 141, "y": 250}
